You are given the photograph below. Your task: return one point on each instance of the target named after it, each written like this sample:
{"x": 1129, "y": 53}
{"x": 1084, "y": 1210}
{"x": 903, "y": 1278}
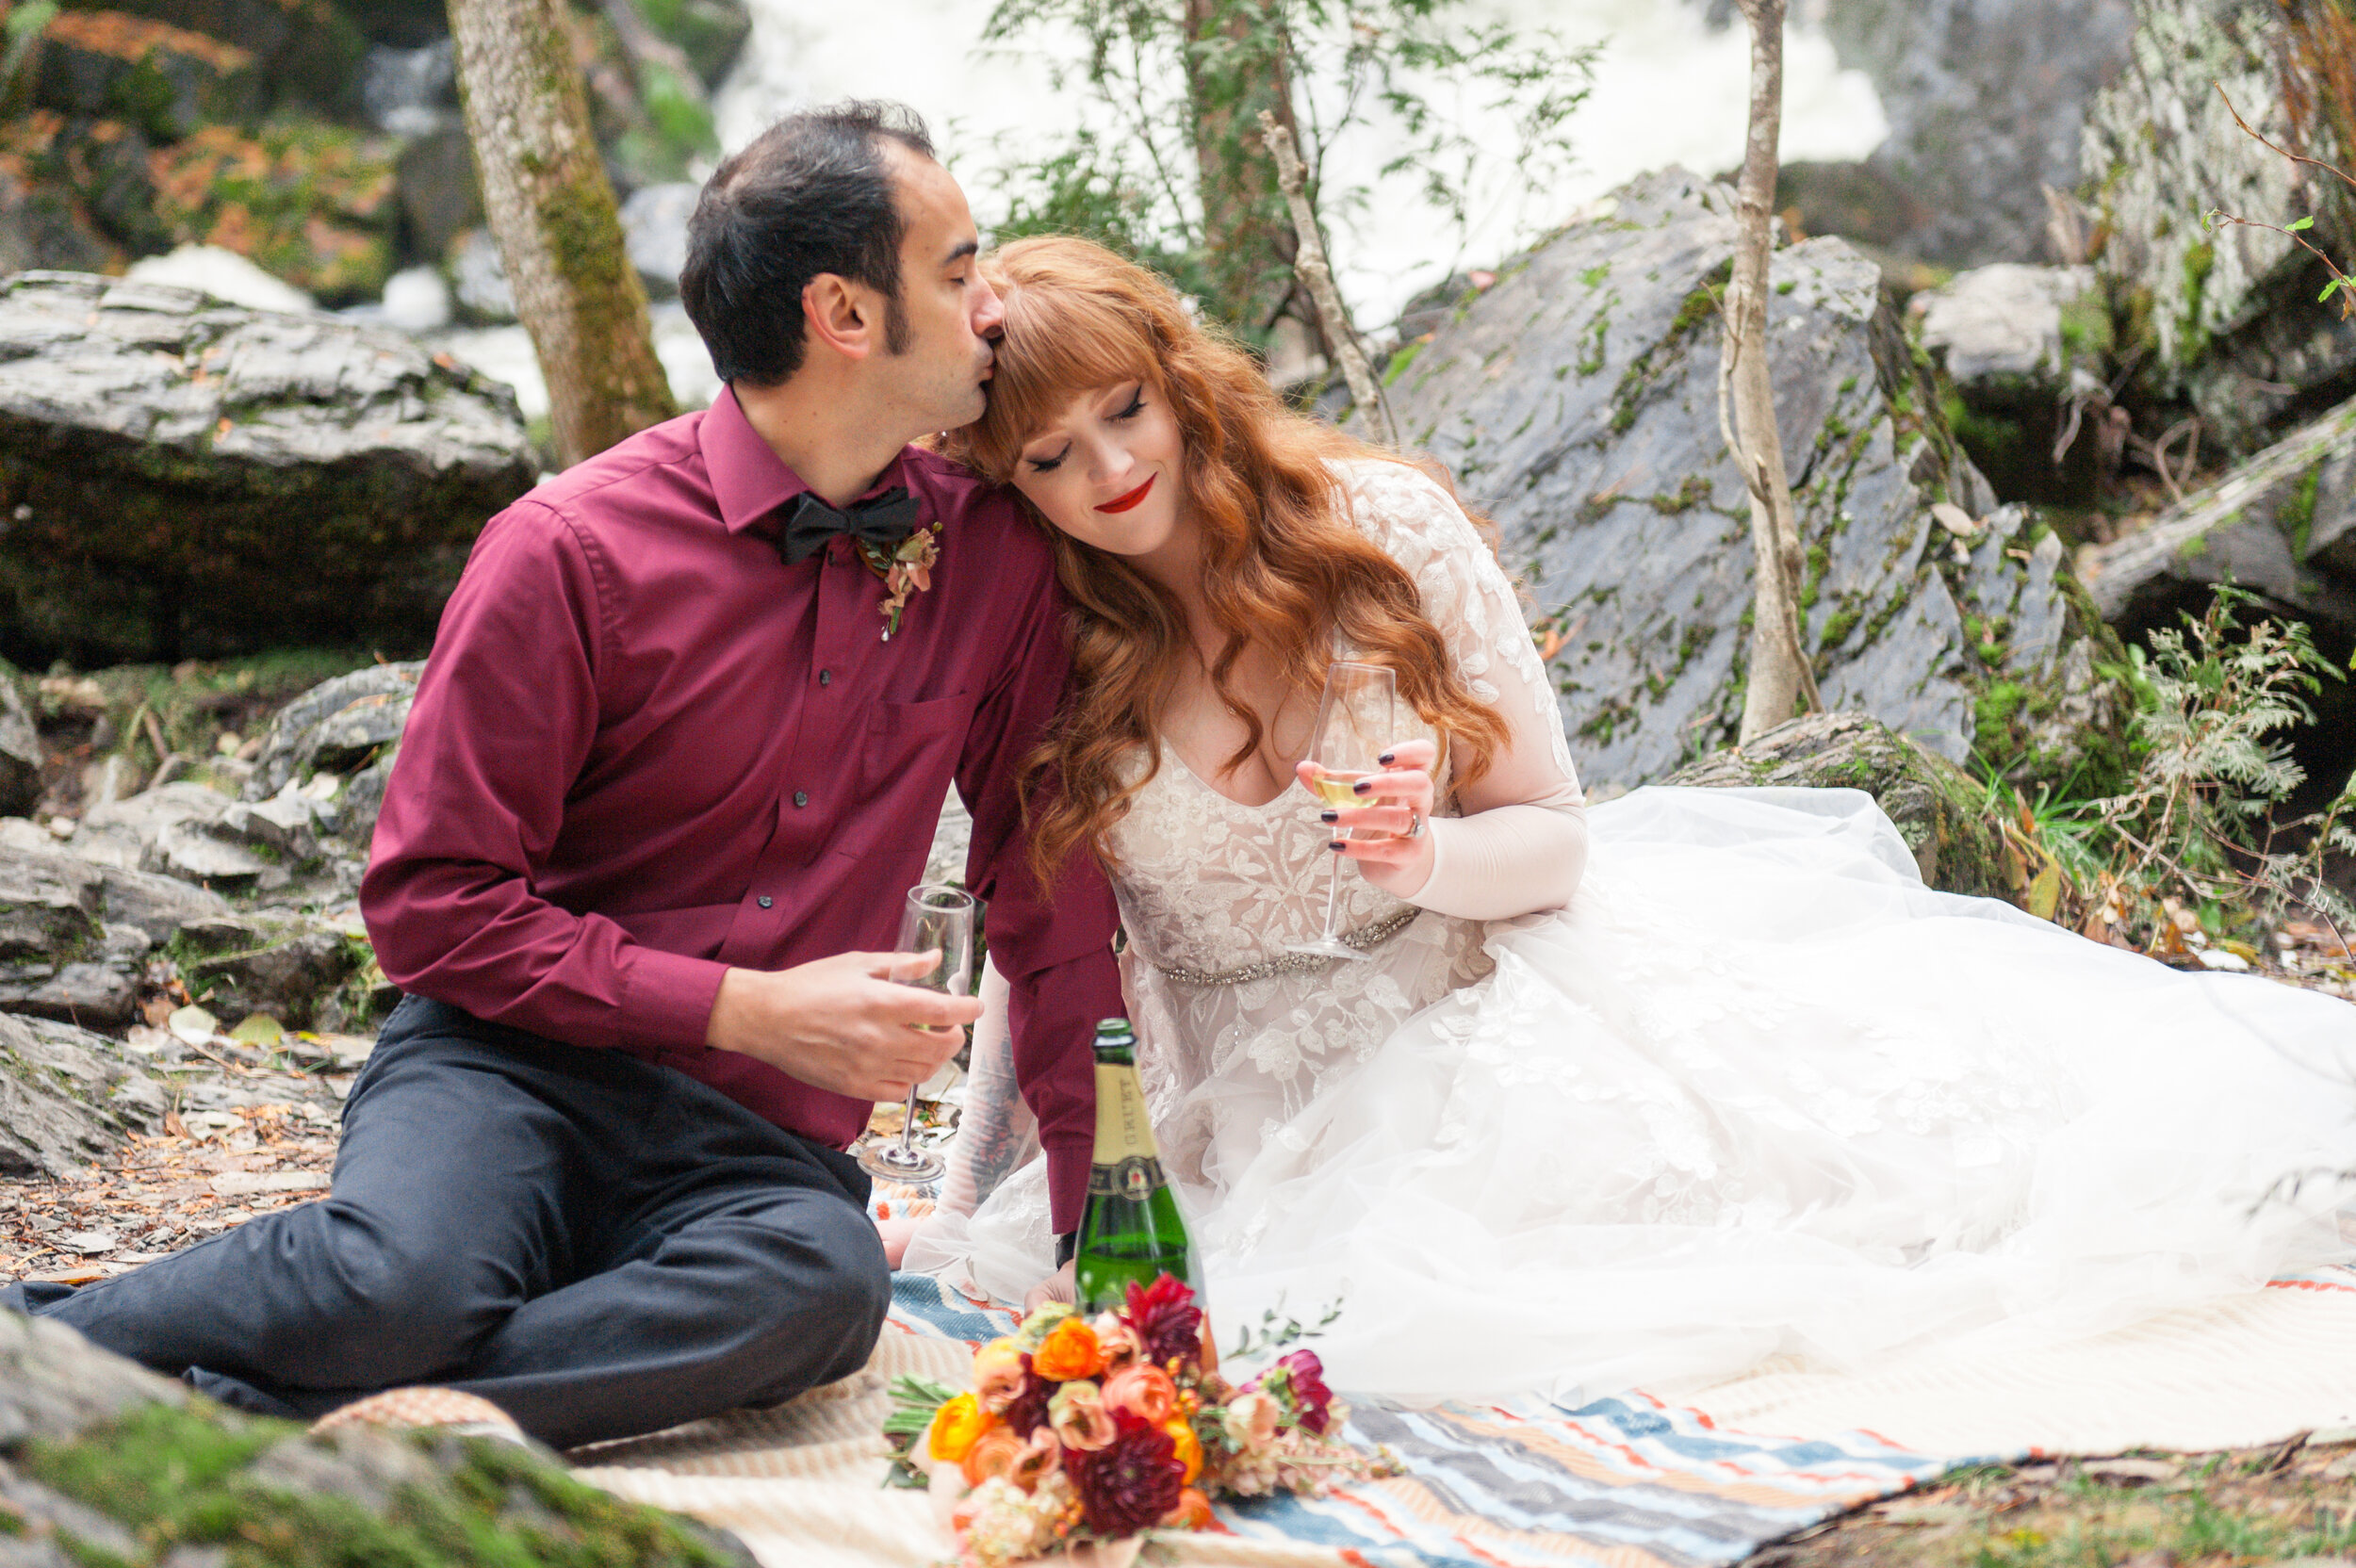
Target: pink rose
{"x": 998, "y": 1375}
{"x": 1117, "y": 1341}
{"x": 1079, "y": 1418}
{"x": 1143, "y": 1390}
{"x": 1252, "y": 1418}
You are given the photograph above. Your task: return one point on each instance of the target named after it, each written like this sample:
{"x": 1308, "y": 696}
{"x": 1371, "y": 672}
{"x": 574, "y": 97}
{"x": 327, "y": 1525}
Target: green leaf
{"x": 193, "y": 1024}
{"x": 2045, "y": 892}
{"x": 2303, "y": 223}
{"x": 260, "y": 1031}
{"x": 2330, "y": 288}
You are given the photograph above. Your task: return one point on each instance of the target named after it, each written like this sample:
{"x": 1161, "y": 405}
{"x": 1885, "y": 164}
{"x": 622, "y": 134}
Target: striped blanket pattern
{"x": 1624, "y": 1482}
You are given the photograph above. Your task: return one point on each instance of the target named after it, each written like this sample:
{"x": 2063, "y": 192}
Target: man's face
{"x": 937, "y": 366}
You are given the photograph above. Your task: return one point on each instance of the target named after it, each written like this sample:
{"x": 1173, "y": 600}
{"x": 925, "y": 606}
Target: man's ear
{"x": 840, "y": 314}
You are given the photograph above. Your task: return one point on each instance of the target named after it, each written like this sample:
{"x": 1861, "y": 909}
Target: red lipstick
{"x": 1122, "y": 503}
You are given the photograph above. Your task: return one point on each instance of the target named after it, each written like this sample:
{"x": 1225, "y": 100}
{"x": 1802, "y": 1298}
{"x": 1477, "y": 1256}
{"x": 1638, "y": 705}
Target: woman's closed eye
{"x": 1134, "y": 406}
{"x": 1049, "y": 465}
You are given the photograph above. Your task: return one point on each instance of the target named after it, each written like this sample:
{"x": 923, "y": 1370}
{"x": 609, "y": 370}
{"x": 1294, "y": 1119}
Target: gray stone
{"x": 339, "y": 727}
{"x": 1996, "y": 328}
{"x": 92, "y": 996}
{"x": 2256, "y": 528}
{"x": 163, "y": 457}
{"x": 49, "y": 905}
{"x": 195, "y": 855}
{"x": 55, "y": 1384}
{"x": 67, "y": 1097}
{"x": 480, "y": 278}
{"x": 2232, "y": 309}
{"x": 1987, "y": 100}
{"x": 439, "y": 194}
{"x": 19, "y": 751}
{"x": 154, "y": 905}
{"x": 168, "y": 81}
{"x": 283, "y": 964}
{"x": 654, "y": 227}
{"x": 285, "y": 825}
{"x": 411, "y": 92}
{"x": 1933, "y": 803}
{"x": 1576, "y": 401}
{"x": 42, "y": 225}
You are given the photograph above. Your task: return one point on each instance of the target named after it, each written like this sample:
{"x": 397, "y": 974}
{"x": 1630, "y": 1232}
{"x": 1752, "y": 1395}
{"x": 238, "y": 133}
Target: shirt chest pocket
{"x": 907, "y": 754}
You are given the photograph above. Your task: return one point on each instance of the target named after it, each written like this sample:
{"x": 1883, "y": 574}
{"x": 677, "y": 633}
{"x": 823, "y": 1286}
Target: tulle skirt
{"x": 1758, "y": 1091}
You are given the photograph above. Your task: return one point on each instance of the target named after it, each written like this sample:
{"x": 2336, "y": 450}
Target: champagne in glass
{"x": 937, "y": 918}
{"x": 1131, "y": 1232}
{"x": 1356, "y": 723}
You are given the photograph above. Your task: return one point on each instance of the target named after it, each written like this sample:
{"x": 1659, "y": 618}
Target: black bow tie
{"x": 882, "y": 522}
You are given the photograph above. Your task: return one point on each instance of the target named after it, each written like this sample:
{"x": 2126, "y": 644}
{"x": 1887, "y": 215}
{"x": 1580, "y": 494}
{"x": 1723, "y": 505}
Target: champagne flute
{"x": 1356, "y": 718}
{"x": 936, "y": 917}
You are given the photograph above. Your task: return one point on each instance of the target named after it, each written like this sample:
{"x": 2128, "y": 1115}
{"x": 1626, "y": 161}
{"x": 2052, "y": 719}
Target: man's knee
{"x": 821, "y": 1297}
{"x": 389, "y": 1309}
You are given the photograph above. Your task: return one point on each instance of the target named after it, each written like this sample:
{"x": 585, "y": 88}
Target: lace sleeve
{"x": 1468, "y": 596}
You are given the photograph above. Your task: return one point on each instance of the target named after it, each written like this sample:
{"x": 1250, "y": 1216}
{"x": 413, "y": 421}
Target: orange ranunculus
{"x": 955, "y": 1426}
{"x": 1068, "y": 1351}
{"x": 1189, "y": 1447}
{"x": 1143, "y": 1390}
{"x": 1041, "y": 1457}
{"x": 1193, "y": 1512}
{"x": 1117, "y": 1341}
{"x": 995, "y": 1453}
{"x": 1079, "y": 1418}
{"x": 998, "y": 1374}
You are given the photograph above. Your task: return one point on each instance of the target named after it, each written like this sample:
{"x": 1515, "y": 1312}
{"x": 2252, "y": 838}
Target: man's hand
{"x": 841, "y": 1024}
{"x": 1062, "y": 1285}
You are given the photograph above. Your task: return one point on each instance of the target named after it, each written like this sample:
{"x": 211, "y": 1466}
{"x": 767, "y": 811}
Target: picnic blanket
{"x": 1631, "y": 1481}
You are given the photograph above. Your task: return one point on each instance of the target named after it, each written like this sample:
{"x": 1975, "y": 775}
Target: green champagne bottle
{"x": 1131, "y": 1232}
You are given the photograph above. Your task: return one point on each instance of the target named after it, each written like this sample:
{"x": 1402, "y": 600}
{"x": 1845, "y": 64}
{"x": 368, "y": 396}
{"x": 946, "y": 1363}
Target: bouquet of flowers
{"x": 1081, "y": 1429}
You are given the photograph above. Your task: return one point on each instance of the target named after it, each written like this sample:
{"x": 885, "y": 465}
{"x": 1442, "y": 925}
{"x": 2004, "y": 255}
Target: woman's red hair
{"x": 1283, "y": 566}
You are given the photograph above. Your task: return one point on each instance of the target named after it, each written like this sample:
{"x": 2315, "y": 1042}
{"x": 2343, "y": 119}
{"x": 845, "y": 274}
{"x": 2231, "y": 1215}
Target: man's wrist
{"x": 1067, "y": 1248}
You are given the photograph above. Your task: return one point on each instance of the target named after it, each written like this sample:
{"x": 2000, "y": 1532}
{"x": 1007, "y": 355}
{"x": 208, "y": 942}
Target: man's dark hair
{"x": 812, "y": 194}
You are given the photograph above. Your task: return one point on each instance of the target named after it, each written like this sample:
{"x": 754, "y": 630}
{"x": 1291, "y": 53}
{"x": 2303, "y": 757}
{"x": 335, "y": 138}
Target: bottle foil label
{"x": 1134, "y": 1178}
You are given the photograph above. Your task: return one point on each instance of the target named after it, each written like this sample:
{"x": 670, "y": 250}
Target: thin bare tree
{"x": 1780, "y": 674}
{"x": 1317, "y": 276}
{"x": 553, "y": 214}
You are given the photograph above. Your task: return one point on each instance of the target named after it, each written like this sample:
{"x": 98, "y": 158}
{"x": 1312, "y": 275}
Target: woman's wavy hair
{"x": 1283, "y": 566}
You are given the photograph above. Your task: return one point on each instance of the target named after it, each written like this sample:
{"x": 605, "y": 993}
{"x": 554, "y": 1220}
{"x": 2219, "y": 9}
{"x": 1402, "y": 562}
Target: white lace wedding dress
{"x": 1756, "y": 1091}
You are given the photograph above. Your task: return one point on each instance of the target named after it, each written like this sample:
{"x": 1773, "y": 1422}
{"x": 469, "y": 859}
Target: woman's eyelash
{"x": 1136, "y": 406}
{"x": 1044, "y": 465}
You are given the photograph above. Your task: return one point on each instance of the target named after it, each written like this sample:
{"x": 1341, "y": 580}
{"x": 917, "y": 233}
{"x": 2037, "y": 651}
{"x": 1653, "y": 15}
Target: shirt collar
{"x": 748, "y": 479}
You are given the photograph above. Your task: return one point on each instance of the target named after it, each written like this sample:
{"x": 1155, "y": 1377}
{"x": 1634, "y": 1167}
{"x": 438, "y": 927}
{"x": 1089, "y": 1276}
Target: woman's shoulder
{"x": 1401, "y": 507}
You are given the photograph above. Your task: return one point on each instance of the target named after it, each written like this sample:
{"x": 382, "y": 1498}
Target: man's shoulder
{"x": 956, "y": 495}
{"x": 618, "y": 482}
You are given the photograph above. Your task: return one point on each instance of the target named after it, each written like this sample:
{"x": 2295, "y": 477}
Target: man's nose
{"x": 990, "y": 313}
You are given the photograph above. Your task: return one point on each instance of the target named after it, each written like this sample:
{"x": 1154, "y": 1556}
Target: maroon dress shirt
{"x": 645, "y": 750}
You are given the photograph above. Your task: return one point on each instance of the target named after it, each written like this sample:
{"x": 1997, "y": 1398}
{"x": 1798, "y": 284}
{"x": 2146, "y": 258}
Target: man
{"x": 663, "y": 787}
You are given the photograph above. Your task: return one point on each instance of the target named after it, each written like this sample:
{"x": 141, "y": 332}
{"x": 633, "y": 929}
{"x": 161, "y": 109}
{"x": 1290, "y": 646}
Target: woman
{"x": 1727, "y": 1082}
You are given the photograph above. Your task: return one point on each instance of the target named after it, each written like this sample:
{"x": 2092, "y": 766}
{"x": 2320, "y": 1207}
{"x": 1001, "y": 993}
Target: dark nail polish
{"x": 1361, "y": 787}
{"x": 1329, "y": 816}
{"x": 1387, "y": 758}
{"x": 1336, "y": 844}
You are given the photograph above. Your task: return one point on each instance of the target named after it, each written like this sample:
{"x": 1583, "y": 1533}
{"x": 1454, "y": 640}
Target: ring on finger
{"x": 1414, "y": 823}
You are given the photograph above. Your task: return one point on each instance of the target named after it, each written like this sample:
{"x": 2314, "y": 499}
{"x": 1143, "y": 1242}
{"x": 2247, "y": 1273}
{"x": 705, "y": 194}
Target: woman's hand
{"x": 1398, "y": 798}
{"x": 1062, "y": 1285}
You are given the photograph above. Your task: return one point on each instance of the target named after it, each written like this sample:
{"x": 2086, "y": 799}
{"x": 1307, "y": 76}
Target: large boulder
{"x": 186, "y": 477}
{"x": 285, "y": 964}
{"x": 348, "y": 728}
{"x": 67, "y": 1097}
{"x": 304, "y": 52}
{"x": 167, "y": 80}
{"x": 102, "y": 1461}
{"x": 2230, "y": 310}
{"x": 1936, "y": 807}
{"x": 1576, "y": 402}
{"x": 1986, "y": 100}
{"x": 2282, "y": 525}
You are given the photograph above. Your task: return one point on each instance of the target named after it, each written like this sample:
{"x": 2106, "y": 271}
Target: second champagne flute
{"x": 1355, "y": 719}
{"x": 936, "y": 917}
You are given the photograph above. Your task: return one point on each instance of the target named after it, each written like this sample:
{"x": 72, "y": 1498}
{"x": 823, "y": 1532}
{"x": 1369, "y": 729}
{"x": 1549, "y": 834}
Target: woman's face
{"x": 1105, "y": 469}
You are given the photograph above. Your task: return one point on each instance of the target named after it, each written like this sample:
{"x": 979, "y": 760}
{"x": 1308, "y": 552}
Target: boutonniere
{"x": 906, "y": 569}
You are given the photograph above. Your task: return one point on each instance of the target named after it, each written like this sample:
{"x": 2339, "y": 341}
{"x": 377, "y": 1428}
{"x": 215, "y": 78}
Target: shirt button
{"x": 826, "y": 678}
{"x": 764, "y": 901}
{"x": 801, "y": 797}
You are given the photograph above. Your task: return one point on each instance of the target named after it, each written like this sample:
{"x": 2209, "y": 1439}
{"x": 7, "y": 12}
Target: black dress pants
{"x": 597, "y": 1245}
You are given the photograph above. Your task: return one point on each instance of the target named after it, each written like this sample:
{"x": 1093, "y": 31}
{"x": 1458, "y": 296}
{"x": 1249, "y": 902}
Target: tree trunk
{"x": 559, "y": 233}
{"x": 1236, "y": 69}
{"x": 1779, "y": 675}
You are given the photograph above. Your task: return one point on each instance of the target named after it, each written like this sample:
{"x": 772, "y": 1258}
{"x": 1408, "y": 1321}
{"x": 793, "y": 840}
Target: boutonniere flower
{"x": 904, "y": 569}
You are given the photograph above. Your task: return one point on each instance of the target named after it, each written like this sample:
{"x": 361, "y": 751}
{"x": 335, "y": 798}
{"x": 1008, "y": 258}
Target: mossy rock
{"x": 109, "y": 1463}
{"x": 309, "y": 202}
{"x": 1933, "y": 803}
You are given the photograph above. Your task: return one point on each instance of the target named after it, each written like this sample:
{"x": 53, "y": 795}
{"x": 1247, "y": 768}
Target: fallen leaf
{"x": 89, "y": 1241}
{"x": 193, "y": 1024}
{"x": 2045, "y": 892}
{"x": 1955, "y": 519}
{"x": 261, "y": 1031}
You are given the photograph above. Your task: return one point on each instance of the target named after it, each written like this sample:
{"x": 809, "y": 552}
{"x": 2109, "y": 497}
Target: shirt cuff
{"x": 1066, "y": 1184}
{"x": 671, "y": 997}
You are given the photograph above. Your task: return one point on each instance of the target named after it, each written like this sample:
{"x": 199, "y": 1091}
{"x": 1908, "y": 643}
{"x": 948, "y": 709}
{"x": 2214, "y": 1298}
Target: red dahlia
{"x": 1165, "y": 1319}
{"x": 1131, "y": 1482}
{"x": 1028, "y": 1411}
{"x": 1311, "y": 1397}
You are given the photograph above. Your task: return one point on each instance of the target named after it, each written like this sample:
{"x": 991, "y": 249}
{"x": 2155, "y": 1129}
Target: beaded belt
{"x": 1296, "y": 963}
